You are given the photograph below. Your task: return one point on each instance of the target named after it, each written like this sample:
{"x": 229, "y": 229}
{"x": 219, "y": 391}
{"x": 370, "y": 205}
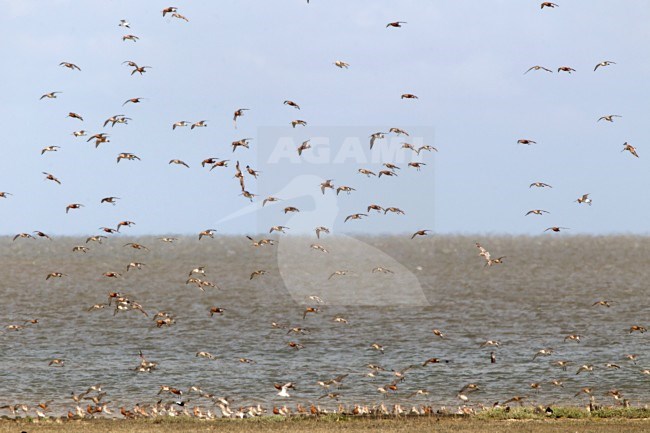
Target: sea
{"x": 387, "y": 291}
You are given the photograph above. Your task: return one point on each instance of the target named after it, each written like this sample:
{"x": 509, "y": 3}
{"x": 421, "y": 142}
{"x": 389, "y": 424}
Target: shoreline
{"x": 396, "y": 412}
{"x": 633, "y": 420}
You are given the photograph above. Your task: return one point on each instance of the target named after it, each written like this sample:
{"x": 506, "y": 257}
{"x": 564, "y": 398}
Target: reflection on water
{"x": 542, "y": 293}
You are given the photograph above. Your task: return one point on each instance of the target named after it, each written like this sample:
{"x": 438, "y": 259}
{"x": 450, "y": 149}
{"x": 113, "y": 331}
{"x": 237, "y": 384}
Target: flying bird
{"x": 355, "y": 216}
{"x": 304, "y": 146}
{"x": 396, "y": 24}
{"x": 133, "y": 101}
{"x": 376, "y": 136}
{"x": 630, "y": 149}
{"x": 420, "y": 233}
{"x": 178, "y": 162}
{"x": 540, "y": 185}
{"x": 398, "y": 131}
{"x": 50, "y": 95}
{"x": 238, "y": 113}
{"x": 180, "y": 17}
{"x": 326, "y": 185}
{"x": 180, "y": 124}
{"x": 536, "y": 212}
{"x": 537, "y": 68}
{"x": 51, "y": 177}
{"x": 139, "y": 69}
{"x": 70, "y": 66}
{"x": 208, "y": 233}
{"x": 110, "y": 200}
{"x": 609, "y": 117}
{"x": 320, "y": 230}
{"x": 41, "y": 234}
{"x": 565, "y": 69}
{"x": 556, "y": 229}
{"x": 49, "y": 149}
{"x": 168, "y": 10}
{"x": 127, "y": 156}
{"x": 604, "y": 63}
{"x": 292, "y": 104}
{"x": 73, "y": 206}
{"x": 584, "y": 199}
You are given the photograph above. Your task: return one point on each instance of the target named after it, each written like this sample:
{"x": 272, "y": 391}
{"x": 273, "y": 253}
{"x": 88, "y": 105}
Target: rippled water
{"x": 543, "y": 292}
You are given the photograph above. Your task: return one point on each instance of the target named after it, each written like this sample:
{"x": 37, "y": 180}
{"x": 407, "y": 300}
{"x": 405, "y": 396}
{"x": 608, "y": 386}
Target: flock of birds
{"x": 176, "y": 401}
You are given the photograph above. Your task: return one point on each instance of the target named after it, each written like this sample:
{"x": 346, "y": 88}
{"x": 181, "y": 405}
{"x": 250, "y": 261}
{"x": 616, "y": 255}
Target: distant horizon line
{"x": 358, "y": 234}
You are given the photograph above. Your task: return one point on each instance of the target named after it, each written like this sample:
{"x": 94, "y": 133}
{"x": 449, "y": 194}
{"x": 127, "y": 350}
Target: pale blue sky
{"x": 464, "y": 59}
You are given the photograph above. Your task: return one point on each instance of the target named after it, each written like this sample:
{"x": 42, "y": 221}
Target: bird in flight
{"x": 180, "y": 124}
{"x": 396, "y": 24}
{"x": 536, "y": 212}
{"x": 355, "y": 216}
{"x": 540, "y": 185}
{"x": 127, "y": 156}
{"x": 178, "y": 162}
{"x": 342, "y": 64}
{"x": 70, "y": 66}
{"x": 169, "y": 10}
{"x": 292, "y": 104}
{"x": 320, "y": 230}
{"x": 133, "y": 101}
{"x": 537, "y": 68}
{"x": 238, "y": 113}
{"x": 208, "y": 233}
{"x": 548, "y": 5}
{"x": 556, "y": 229}
{"x": 50, "y": 149}
{"x": 51, "y": 177}
{"x": 630, "y": 149}
{"x": 584, "y": 199}
{"x": 398, "y": 131}
{"x": 50, "y": 95}
{"x": 420, "y": 233}
{"x": 180, "y": 17}
{"x": 304, "y": 146}
{"x": 376, "y": 136}
{"x": 609, "y": 117}
{"x": 110, "y": 200}
{"x": 602, "y": 303}
{"x": 73, "y": 206}
{"x": 565, "y": 69}
{"x": 604, "y": 63}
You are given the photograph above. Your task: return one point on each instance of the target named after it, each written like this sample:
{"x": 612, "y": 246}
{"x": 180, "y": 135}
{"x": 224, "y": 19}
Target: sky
{"x": 464, "y": 60}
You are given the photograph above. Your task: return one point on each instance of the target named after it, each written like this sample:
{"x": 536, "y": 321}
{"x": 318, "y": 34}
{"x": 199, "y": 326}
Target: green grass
{"x": 564, "y": 412}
